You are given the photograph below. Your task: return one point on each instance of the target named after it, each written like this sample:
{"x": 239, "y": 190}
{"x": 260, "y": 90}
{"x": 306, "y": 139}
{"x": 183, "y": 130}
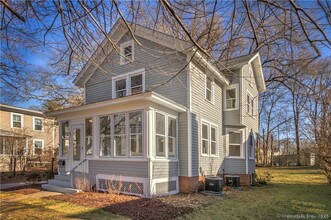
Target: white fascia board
{"x": 148, "y": 96}
{"x": 199, "y": 58}
{"x": 260, "y": 78}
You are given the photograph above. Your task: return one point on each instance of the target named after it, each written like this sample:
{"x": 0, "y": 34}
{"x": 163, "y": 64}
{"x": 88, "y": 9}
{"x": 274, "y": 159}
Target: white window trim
{"x": 212, "y": 90}
{"x": 123, "y": 60}
{"x": 236, "y": 87}
{"x": 42, "y": 146}
{"x": 210, "y": 125}
{"x": 127, "y": 77}
{"x": 34, "y": 123}
{"x": 228, "y": 130}
{"x": 248, "y": 111}
{"x": 167, "y": 116}
{"x": 85, "y": 144}
{"x": 12, "y": 118}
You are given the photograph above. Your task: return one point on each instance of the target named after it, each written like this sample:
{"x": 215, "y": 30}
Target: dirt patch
{"x": 25, "y": 189}
{"x": 138, "y": 208}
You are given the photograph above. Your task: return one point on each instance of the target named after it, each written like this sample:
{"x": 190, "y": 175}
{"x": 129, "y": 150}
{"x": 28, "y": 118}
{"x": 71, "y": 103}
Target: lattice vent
{"x": 117, "y": 186}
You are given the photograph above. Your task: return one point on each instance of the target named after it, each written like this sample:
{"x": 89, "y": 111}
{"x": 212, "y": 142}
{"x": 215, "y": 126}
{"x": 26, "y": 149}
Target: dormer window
{"x": 127, "y": 52}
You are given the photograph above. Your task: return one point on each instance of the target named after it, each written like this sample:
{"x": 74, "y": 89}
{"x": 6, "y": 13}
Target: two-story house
{"x": 25, "y": 132}
{"x": 158, "y": 116}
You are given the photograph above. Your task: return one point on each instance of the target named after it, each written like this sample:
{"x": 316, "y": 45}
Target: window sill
{"x": 165, "y": 159}
{"x": 251, "y": 158}
{"x": 211, "y": 102}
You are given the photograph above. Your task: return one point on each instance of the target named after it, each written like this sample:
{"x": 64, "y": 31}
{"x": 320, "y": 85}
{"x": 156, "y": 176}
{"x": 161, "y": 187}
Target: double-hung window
{"x": 38, "y": 146}
{"x": 88, "y": 137}
{"x": 105, "y": 136}
{"x": 250, "y": 104}
{"x": 136, "y": 84}
{"x": 160, "y": 134}
{"x": 235, "y": 144}
{"x": 209, "y": 93}
{"x": 38, "y": 124}
{"x": 16, "y": 120}
{"x": 231, "y": 97}
{"x": 127, "y": 52}
{"x": 65, "y": 138}
{"x": 165, "y": 135}
{"x": 136, "y": 133}
{"x": 129, "y": 84}
{"x": 120, "y": 88}
{"x": 209, "y": 139}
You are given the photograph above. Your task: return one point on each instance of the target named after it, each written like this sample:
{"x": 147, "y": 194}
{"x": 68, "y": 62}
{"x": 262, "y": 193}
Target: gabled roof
{"x": 120, "y": 29}
{"x": 255, "y": 60}
{"x": 10, "y": 108}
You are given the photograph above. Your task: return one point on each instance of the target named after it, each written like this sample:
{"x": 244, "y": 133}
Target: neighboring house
{"x": 158, "y": 121}
{"x": 25, "y": 133}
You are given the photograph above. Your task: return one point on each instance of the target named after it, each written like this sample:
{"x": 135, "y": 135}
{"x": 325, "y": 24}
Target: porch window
{"x": 38, "y": 146}
{"x": 136, "y": 130}
{"x": 88, "y": 137}
{"x": 235, "y": 140}
{"x": 120, "y": 135}
{"x": 16, "y": 120}
{"x": 160, "y": 135}
{"x": 120, "y": 88}
{"x": 65, "y": 138}
{"x": 38, "y": 124}
{"x": 105, "y": 136}
{"x": 165, "y": 135}
{"x": 172, "y": 137}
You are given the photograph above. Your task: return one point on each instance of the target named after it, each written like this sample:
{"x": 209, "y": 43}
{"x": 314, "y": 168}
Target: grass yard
{"x": 48, "y": 209}
{"x": 294, "y": 193}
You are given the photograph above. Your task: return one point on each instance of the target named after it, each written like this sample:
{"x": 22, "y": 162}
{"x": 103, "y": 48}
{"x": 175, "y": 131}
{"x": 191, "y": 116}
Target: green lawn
{"x": 294, "y": 193}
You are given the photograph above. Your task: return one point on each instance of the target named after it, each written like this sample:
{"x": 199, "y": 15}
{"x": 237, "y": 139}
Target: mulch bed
{"x": 25, "y": 189}
{"x": 139, "y": 208}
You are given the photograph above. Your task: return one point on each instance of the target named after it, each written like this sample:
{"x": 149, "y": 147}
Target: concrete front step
{"x": 65, "y": 184}
{"x": 60, "y": 189}
{"x": 63, "y": 177}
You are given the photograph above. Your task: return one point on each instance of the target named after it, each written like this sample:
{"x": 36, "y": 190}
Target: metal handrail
{"x": 71, "y": 172}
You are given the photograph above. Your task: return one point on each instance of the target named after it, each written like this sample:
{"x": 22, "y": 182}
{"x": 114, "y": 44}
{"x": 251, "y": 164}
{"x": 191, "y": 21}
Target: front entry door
{"x": 77, "y": 147}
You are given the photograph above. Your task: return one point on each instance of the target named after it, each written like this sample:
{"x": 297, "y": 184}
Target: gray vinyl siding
{"x": 183, "y": 144}
{"x": 119, "y": 168}
{"x": 165, "y": 169}
{"x": 203, "y": 109}
{"x": 99, "y": 92}
{"x": 248, "y": 120}
{"x": 251, "y": 166}
{"x": 234, "y": 166}
{"x": 160, "y": 64}
{"x": 232, "y": 117}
